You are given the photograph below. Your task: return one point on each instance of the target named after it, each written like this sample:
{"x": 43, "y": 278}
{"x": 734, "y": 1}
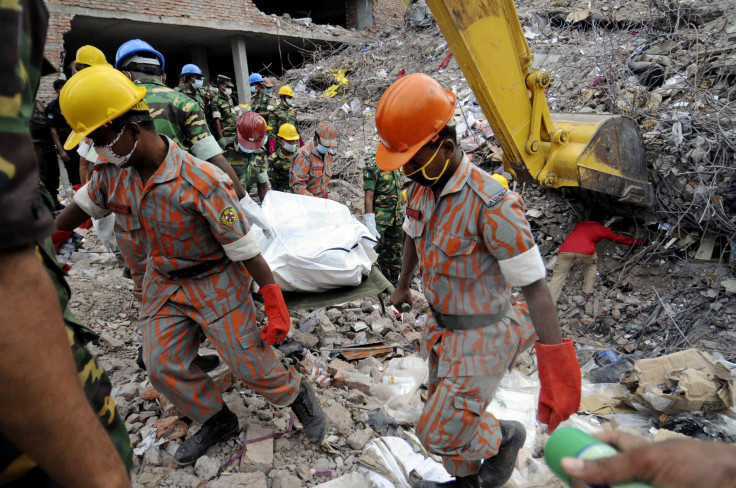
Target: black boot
{"x": 470, "y": 481}
{"x": 496, "y": 471}
{"x": 222, "y": 426}
{"x": 310, "y": 414}
{"x": 206, "y": 363}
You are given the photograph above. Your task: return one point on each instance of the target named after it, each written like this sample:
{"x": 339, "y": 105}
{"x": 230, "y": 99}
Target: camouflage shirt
{"x": 179, "y": 117}
{"x": 386, "y": 188}
{"x": 279, "y": 116}
{"x": 262, "y": 102}
{"x": 24, "y": 218}
{"x": 279, "y": 167}
{"x": 197, "y": 95}
{"x": 250, "y": 167}
{"x": 222, "y": 108}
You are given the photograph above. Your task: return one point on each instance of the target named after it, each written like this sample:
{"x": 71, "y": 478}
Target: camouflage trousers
{"x": 465, "y": 368}
{"x": 170, "y": 343}
{"x": 390, "y": 248}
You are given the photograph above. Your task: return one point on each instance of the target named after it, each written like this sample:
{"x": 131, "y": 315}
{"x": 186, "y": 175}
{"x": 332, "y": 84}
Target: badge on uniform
{"x": 229, "y": 216}
{"x": 414, "y": 213}
{"x": 118, "y": 208}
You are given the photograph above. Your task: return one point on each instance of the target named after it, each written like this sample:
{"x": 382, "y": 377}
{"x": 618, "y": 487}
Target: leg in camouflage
{"x": 98, "y": 388}
{"x": 390, "y": 248}
{"x": 94, "y": 379}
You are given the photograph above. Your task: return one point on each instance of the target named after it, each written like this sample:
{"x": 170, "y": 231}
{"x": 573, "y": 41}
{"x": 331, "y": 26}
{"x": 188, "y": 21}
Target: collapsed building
{"x": 231, "y": 37}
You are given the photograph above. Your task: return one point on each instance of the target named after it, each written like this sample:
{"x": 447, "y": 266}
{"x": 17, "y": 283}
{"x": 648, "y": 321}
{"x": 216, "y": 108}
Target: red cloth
{"x": 586, "y": 234}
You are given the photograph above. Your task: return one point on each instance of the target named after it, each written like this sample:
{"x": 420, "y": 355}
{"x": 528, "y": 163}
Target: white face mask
{"x": 111, "y": 156}
{"x": 214, "y": 89}
{"x": 228, "y": 91}
{"x": 289, "y": 147}
{"x": 197, "y": 84}
{"x": 253, "y": 89}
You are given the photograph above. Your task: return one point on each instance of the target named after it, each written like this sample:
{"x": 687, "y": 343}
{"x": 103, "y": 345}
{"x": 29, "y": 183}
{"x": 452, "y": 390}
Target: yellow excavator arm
{"x": 601, "y": 153}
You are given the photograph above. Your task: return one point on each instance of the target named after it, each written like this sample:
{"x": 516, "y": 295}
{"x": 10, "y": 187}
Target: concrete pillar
{"x": 199, "y": 57}
{"x": 364, "y": 13}
{"x": 240, "y": 64}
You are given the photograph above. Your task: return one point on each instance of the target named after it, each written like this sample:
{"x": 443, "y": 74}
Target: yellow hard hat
{"x": 286, "y": 90}
{"x": 501, "y": 179}
{"x": 90, "y": 56}
{"x": 288, "y": 132}
{"x": 95, "y": 96}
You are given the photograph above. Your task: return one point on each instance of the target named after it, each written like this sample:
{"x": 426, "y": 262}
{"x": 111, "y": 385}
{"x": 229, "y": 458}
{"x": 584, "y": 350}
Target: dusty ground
{"x": 648, "y": 301}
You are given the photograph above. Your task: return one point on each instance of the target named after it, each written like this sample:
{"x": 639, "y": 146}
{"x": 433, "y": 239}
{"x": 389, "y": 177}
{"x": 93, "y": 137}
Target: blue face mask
{"x": 253, "y": 89}
{"x": 268, "y": 90}
{"x": 322, "y": 149}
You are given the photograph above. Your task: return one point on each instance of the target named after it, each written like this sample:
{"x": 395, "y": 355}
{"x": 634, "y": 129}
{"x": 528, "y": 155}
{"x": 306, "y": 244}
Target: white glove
{"x": 370, "y": 222}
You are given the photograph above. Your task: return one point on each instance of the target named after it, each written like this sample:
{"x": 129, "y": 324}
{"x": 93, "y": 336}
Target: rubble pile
{"x": 361, "y": 355}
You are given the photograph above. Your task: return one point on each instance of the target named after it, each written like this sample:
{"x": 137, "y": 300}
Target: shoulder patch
{"x": 229, "y": 216}
{"x": 487, "y": 188}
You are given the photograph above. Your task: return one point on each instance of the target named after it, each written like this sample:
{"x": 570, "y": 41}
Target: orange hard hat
{"x": 412, "y": 112}
{"x": 327, "y": 134}
{"x": 251, "y": 130}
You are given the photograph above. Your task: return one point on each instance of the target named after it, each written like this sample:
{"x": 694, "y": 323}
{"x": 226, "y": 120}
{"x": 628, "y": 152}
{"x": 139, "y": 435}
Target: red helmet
{"x": 251, "y": 130}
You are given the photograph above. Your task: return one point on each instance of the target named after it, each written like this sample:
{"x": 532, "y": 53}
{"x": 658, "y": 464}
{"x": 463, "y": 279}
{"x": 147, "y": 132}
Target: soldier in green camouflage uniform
{"x": 26, "y": 220}
{"x": 279, "y": 163}
{"x": 279, "y": 167}
{"x": 250, "y": 167}
{"x": 223, "y": 109}
{"x": 180, "y": 117}
{"x": 383, "y": 198}
{"x": 283, "y": 113}
{"x": 262, "y": 103}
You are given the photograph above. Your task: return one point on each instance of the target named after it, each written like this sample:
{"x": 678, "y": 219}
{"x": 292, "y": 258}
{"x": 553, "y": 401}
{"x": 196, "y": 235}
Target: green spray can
{"x": 572, "y": 442}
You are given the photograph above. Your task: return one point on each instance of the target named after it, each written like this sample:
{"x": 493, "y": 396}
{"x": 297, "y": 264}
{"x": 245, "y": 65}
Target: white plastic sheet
{"x": 316, "y": 244}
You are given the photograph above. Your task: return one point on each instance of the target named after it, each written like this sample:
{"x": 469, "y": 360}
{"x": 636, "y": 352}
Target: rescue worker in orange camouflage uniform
{"x": 312, "y": 166}
{"x": 473, "y": 243}
{"x": 201, "y": 260}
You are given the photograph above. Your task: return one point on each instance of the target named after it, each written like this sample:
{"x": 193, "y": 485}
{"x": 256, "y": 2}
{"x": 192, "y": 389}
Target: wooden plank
{"x": 705, "y": 251}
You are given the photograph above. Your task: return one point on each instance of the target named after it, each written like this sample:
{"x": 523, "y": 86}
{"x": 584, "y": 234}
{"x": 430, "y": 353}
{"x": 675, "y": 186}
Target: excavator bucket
{"x": 600, "y": 153}
{"x": 604, "y": 154}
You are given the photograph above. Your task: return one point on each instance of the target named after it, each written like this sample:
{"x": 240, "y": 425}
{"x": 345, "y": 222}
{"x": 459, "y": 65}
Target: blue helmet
{"x": 190, "y": 69}
{"x": 136, "y": 46}
{"x": 255, "y": 78}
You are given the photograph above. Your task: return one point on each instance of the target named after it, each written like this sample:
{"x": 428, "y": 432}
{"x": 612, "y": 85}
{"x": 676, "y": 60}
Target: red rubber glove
{"x": 271, "y": 146}
{"x": 559, "y": 374}
{"x": 59, "y": 237}
{"x": 279, "y": 321}
{"x": 640, "y": 241}
{"x": 301, "y": 142}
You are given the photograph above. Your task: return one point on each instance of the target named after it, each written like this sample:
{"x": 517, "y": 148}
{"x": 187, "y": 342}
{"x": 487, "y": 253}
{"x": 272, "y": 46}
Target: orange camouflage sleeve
{"x": 508, "y": 237}
{"x": 299, "y": 174}
{"x": 221, "y": 209}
